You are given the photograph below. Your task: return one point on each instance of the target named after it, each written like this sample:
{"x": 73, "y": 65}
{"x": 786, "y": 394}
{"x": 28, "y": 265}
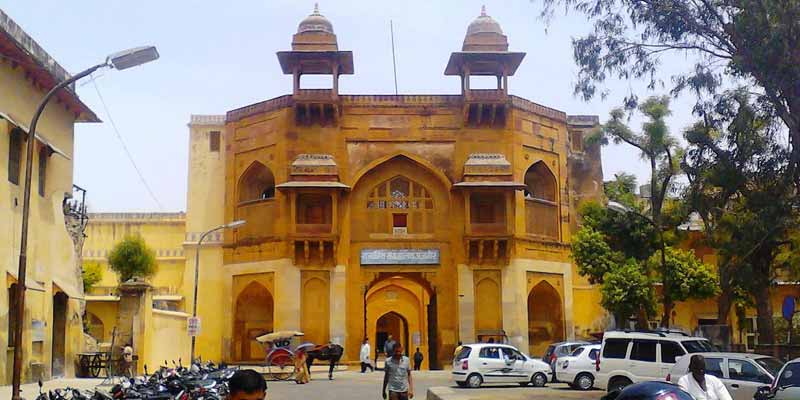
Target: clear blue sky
{"x": 217, "y": 56}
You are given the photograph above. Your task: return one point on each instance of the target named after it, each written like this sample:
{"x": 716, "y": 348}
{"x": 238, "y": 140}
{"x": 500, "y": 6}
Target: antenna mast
{"x": 394, "y": 61}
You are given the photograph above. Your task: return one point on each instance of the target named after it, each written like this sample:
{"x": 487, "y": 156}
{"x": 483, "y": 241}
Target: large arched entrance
{"x": 399, "y": 306}
{"x": 59, "y": 333}
{"x": 545, "y": 318}
{"x": 392, "y": 325}
{"x": 253, "y": 318}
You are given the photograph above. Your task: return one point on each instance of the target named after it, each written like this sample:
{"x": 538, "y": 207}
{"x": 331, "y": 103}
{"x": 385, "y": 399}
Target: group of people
{"x": 389, "y": 347}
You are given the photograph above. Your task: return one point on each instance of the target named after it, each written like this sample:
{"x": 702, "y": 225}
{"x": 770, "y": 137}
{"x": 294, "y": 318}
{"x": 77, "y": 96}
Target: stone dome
{"x": 315, "y": 22}
{"x": 484, "y": 24}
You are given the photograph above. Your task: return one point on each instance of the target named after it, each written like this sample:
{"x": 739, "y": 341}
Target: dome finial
{"x": 316, "y": 8}
{"x": 483, "y": 10}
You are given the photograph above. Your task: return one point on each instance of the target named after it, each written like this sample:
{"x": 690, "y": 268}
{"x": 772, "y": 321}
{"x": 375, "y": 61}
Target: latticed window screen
{"x": 396, "y": 197}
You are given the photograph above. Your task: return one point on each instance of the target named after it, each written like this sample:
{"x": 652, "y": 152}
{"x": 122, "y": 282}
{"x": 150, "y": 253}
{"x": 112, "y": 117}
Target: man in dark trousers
{"x": 418, "y": 359}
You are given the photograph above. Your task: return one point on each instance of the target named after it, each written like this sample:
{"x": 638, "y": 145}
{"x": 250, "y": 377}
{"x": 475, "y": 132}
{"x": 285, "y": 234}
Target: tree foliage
{"x": 132, "y": 258}
{"x": 755, "y": 41}
{"x": 91, "y": 273}
{"x": 626, "y": 290}
{"x": 739, "y": 185}
{"x": 622, "y": 189}
{"x": 689, "y": 278}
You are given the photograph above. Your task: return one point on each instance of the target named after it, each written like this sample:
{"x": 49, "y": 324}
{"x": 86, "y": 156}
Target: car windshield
{"x": 770, "y": 364}
{"x": 790, "y": 376}
{"x": 697, "y": 346}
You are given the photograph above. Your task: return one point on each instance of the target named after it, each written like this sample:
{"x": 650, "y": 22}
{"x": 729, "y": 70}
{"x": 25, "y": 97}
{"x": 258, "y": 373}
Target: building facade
{"x": 52, "y": 331}
{"x": 435, "y": 218}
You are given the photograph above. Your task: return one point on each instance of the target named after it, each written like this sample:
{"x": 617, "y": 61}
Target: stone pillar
{"x": 466, "y": 305}
{"x": 287, "y": 299}
{"x": 338, "y": 322}
{"x": 515, "y": 305}
{"x": 135, "y": 304}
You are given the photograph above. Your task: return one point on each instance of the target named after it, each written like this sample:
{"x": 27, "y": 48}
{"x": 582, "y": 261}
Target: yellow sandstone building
{"x": 52, "y": 330}
{"x": 433, "y": 218}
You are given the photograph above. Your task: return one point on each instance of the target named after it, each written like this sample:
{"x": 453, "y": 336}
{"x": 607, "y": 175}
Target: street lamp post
{"x": 231, "y": 225}
{"x": 122, "y": 60}
{"x": 622, "y": 209}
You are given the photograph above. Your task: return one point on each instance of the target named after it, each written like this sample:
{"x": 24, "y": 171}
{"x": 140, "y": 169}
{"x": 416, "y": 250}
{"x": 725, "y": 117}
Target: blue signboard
{"x": 788, "y": 308}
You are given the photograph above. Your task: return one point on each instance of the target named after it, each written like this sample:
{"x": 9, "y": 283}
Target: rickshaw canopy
{"x": 280, "y": 335}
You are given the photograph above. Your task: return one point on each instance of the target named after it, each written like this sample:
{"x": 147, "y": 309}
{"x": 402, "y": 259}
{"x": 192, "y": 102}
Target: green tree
{"x": 91, "y": 273}
{"x": 622, "y": 189}
{"x": 755, "y": 41}
{"x": 627, "y": 290}
{"x": 132, "y": 258}
{"x": 660, "y": 150}
{"x": 739, "y": 186}
{"x": 689, "y": 278}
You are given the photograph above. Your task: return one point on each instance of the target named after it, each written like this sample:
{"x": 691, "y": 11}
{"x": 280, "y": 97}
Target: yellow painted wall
{"x": 50, "y": 250}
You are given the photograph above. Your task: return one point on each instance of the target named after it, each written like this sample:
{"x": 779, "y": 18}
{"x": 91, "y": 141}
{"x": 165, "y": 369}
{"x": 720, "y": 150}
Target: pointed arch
{"x": 545, "y": 317}
{"x": 256, "y": 183}
{"x": 489, "y": 296}
{"x": 541, "y": 201}
{"x": 253, "y": 316}
{"x": 402, "y": 154}
{"x": 315, "y": 310}
{"x": 540, "y": 182}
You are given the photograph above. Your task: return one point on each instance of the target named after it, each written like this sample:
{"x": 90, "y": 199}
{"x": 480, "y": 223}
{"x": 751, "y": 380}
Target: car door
{"x": 517, "y": 372}
{"x": 744, "y": 378}
{"x": 669, "y": 352}
{"x": 491, "y": 364}
{"x": 643, "y": 363}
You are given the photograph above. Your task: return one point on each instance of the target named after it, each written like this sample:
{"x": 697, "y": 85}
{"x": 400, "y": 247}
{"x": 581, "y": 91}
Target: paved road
{"x": 352, "y": 385}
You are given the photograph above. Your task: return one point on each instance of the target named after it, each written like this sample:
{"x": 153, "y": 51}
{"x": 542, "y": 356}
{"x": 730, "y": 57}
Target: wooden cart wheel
{"x": 84, "y": 362}
{"x": 280, "y": 364}
{"x": 95, "y": 366}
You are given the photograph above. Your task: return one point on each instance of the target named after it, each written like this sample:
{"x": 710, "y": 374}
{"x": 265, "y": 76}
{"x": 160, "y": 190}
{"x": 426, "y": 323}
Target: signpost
{"x": 193, "y": 326}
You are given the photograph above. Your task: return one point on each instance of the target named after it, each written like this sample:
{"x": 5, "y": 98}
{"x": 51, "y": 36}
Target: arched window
{"x": 257, "y": 183}
{"x": 400, "y": 206}
{"x": 541, "y": 207}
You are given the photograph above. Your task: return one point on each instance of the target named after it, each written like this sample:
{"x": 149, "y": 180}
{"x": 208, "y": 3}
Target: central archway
{"x": 399, "y": 305}
{"x": 545, "y": 318}
{"x": 253, "y": 318}
{"x": 394, "y": 325}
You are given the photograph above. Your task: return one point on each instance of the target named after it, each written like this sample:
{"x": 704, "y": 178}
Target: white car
{"x": 481, "y": 363}
{"x": 578, "y": 368}
{"x": 742, "y": 373}
{"x": 629, "y": 357}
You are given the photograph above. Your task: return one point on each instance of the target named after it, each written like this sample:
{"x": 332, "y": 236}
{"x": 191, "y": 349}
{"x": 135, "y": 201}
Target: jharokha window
{"x": 487, "y": 212}
{"x": 314, "y": 213}
{"x": 257, "y": 183}
{"x": 400, "y": 206}
{"x": 541, "y": 208}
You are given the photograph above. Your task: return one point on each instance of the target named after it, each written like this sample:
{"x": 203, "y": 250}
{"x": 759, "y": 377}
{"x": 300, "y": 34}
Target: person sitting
{"x": 247, "y": 384}
{"x": 700, "y": 385}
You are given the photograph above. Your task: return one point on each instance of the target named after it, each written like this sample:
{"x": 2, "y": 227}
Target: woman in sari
{"x": 301, "y": 369}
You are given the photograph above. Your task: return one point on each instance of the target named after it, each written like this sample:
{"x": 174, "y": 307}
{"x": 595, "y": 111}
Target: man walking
{"x": 364, "y": 356}
{"x": 418, "y": 359}
{"x": 397, "y": 376}
{"x": 388, "y": 346}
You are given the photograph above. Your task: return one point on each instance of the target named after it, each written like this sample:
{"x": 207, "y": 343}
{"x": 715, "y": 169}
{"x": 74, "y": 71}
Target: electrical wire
{"x": 125, "y": 147}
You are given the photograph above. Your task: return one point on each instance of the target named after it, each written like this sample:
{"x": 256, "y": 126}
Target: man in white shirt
{"x": 700, "y": 385}
{"x": 364, "y": 356}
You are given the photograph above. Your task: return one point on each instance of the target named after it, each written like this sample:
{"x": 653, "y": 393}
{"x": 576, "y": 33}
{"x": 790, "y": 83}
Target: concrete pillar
{"x": 466, "y": 305}
{"x": 135, "y": 307}
{"x": 515, "y": 305}
{"x": 338, "y": 311}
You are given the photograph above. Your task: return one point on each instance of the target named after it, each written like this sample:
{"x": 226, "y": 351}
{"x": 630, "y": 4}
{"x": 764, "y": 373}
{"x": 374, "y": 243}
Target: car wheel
{"x": 461, "y": 384}
{"x": 538, "y": 379}
{"x": 618, "y": 383}
{"x": 584, "y": 381}
{"x": 474, "y": 381}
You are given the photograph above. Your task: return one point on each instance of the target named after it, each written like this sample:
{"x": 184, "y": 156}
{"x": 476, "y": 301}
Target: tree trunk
{"x": 766, "y": 328}
{"x": 665, "y": 319}
{"x": 725, "y": 299}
